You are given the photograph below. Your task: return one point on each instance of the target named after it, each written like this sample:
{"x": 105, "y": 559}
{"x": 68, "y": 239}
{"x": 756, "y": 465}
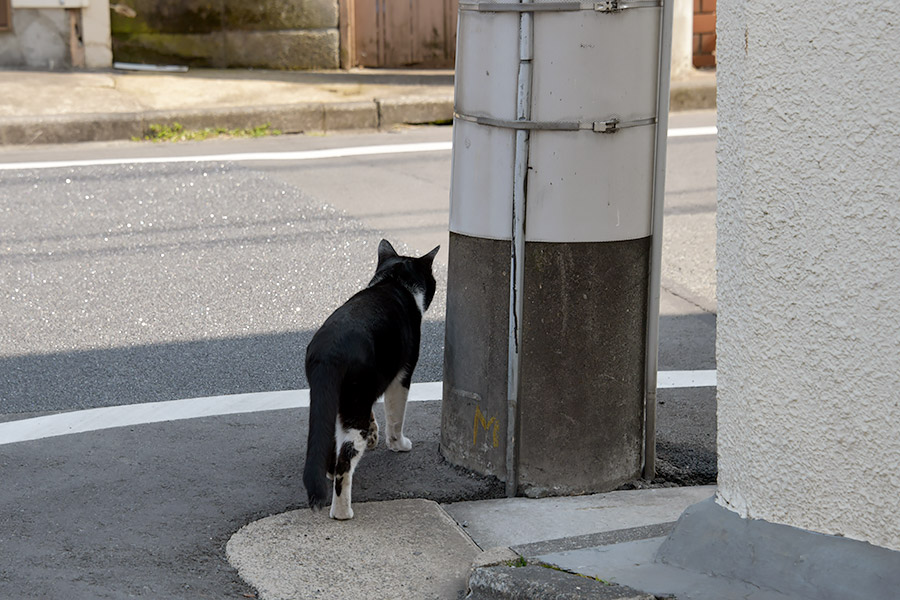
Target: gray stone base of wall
{"x": 288, "y": 49}
{"x": 801, "y": 564}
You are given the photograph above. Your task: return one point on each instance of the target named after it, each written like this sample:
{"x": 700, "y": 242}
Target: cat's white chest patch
{"x": 419, "y": 296}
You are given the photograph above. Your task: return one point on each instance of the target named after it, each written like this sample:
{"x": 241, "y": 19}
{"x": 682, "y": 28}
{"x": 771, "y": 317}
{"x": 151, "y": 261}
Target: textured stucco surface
{"x": 809, "y": 265}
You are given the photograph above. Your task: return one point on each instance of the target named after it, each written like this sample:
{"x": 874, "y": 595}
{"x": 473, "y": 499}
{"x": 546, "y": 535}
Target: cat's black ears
{"x": 429, "y": 258}
{"x": 385, "y": 251}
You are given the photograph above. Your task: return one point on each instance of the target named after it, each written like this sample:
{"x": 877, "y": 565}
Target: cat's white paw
{"x": 341, "y": 513}
{"x": 400, "y": 445}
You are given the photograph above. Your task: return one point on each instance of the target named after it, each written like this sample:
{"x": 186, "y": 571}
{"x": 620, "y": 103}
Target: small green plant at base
{"x": 177, "y": 133}
{"x": 519, "y": 562}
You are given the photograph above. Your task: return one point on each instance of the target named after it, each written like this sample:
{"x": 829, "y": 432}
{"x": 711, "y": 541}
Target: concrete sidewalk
{"x": 601, "y": 546}
{"x": 596, "y": 546}
{"x": 57, "y": 107}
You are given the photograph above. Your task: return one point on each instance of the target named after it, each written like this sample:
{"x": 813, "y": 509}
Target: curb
{"x": 534, "y": 582}
{"x": 695, "y": 93}
{"x": 289, "y": 118}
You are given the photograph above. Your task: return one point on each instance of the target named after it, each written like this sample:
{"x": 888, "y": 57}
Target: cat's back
{"x": 373, "y": 316}
{"x": 372, "y": 307}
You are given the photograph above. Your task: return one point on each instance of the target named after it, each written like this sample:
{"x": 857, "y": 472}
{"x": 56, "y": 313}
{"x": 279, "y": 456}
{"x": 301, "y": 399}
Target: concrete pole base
{"x": 581, "y": 396}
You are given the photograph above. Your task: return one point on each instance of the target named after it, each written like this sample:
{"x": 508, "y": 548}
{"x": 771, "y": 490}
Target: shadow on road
{"x": 65, "y": 381}
{"x": 159, "y": 372}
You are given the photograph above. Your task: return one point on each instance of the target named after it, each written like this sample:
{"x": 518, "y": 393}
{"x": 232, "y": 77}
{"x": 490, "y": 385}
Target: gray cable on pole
{"x": 517, "y": 258}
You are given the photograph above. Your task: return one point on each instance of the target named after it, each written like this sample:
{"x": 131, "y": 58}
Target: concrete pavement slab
{"x": 632, "y": 564}
{"x": 393, "y": 549}
{"x": 53, "y": 93}
{"x": 500, "y": 522}
{"x": 38, "y": 93}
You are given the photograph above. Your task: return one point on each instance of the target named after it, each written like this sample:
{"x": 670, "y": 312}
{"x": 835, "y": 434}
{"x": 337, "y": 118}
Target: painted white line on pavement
{"x": 685, "y": 379}
{"x": 300, "y": 155}
{"x": 94, "y": 419}
{"x": 693, "y": 131}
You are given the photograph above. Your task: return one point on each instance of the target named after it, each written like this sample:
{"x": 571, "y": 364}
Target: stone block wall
{"x": 268, "y": 34}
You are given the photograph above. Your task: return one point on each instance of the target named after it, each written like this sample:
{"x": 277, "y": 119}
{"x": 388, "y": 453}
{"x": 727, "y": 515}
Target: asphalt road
{"x": 139, "y": 283}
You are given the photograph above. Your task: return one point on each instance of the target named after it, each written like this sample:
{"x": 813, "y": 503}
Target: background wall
{"x": 704, "y": 33}
{"x": 39, "y": 38}
{"x": 55, "y": 34}
{"x": 809, "y": 265}
{"x": 275, "y": 34}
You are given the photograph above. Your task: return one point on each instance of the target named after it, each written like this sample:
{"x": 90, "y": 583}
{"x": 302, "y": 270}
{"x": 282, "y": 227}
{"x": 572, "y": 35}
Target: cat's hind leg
{"x": 372, "y": 435}
{"x": 351, "y": 443}
{"x": 395, "y": 413}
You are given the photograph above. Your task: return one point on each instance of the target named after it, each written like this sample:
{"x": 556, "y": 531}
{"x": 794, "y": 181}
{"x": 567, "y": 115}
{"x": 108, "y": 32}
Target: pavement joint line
{"x": 301, "y": 155}
{"x": 108, "y": 417}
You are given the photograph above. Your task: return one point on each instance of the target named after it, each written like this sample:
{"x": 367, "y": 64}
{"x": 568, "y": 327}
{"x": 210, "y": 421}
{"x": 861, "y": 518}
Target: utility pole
{"x": 555, "y": 236}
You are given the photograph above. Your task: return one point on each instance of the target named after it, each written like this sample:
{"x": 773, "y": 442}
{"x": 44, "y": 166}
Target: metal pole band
{"x": 608, "y": 6}
{"x": 604, "y": 126}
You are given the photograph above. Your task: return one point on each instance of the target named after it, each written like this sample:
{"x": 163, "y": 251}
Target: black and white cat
{"x": 367, "y": 347}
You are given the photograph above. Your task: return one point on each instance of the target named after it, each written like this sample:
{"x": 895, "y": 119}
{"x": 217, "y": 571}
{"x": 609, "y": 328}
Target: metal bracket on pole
{"x": 616, "y": 5}
{"x": 607, "y": 6}
{"x": 609, "y": 125}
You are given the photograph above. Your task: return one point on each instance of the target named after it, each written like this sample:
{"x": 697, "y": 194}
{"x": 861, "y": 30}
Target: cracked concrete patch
{"x": 393, "y": 549}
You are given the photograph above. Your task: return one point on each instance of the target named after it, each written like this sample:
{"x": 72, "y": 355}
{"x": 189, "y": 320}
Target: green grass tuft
{"x": 177, "y": 133}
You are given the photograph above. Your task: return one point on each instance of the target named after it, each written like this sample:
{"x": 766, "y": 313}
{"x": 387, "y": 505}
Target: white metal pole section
{"x": 659, "y": 193}
{"x": 517, "y": 247}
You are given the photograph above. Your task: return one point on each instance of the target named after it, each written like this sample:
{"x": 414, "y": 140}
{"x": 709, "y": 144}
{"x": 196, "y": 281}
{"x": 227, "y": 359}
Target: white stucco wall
{"x": 809, "y": 265}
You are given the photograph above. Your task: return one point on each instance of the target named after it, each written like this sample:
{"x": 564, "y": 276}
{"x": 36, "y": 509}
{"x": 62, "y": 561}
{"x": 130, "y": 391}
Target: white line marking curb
{"x": 294, "y": 156}
{"x": 95, "y": 419}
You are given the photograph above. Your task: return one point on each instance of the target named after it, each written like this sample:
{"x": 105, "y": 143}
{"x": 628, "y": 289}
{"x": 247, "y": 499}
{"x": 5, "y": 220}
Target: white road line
{"x": 95, "y": 419}
{"x": 296, "y": 156}
{"x": 693, "y": 131}
{"x": 239, "y": 157}
{"x": 685, "y": 379}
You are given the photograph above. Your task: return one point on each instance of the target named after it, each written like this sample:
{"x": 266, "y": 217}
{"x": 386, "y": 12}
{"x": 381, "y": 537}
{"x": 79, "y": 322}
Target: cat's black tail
{"x": 324, "y": 396}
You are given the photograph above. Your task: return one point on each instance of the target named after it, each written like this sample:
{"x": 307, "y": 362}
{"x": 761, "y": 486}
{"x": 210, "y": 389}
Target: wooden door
{"x": 398, "y": 33}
